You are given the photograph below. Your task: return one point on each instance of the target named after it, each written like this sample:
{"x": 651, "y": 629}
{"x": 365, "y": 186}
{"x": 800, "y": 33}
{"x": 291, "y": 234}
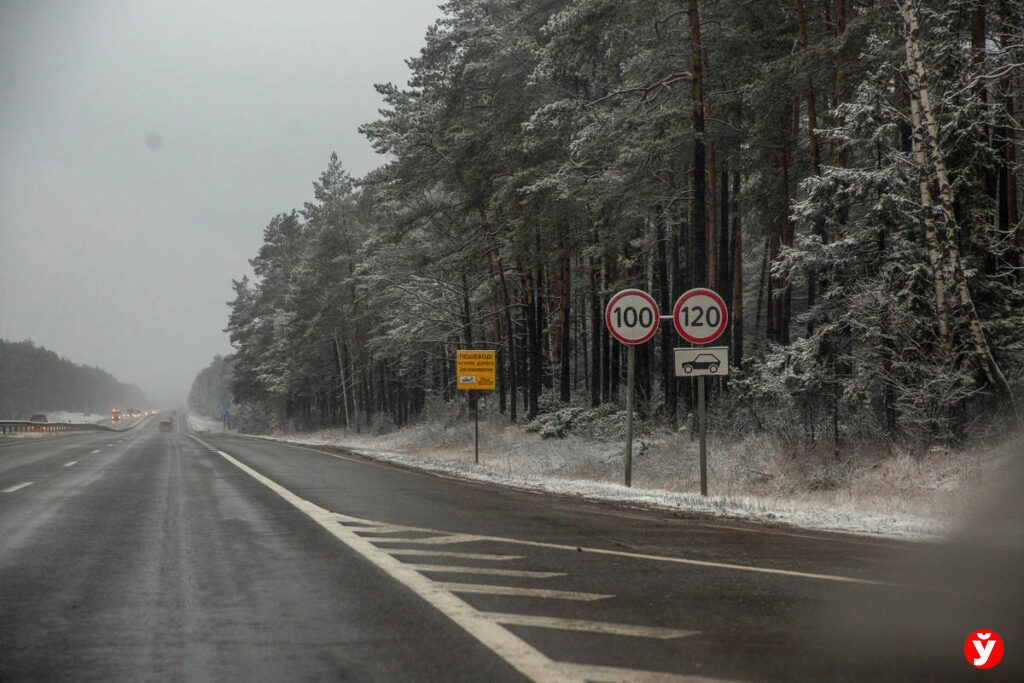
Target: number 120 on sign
{"x": 700, "y": 316}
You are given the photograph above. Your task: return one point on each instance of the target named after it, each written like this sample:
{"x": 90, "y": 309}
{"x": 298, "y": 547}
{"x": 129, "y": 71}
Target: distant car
{"x": 38, "y": 417}
{"x": 703, "y": 361}
{"x": 166, "y": 426}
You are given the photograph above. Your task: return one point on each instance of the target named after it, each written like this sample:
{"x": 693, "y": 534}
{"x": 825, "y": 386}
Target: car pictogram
{"x": 703, "y": 361}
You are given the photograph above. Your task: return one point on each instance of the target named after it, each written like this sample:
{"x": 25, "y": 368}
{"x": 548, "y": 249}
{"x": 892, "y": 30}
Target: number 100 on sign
{"x": 632, "y": 316}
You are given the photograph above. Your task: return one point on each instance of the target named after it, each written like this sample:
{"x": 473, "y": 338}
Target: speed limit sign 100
{"x": 632, "y": 316}
{"x": 700, "y": 316}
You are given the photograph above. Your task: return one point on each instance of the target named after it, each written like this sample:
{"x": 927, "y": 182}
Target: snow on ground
{"x": 56, "y": 417}
{"x": 76, "y": 418}
{"x": 749, "y": 478}
{"x": 200, "y": 423}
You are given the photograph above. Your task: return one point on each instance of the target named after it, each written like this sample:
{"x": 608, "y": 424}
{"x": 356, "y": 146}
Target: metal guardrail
{"x": 15, "y": 426}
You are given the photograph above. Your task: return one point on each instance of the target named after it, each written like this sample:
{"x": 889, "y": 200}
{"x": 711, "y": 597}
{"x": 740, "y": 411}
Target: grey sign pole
{"x": 702, "y": 427}
{"x": 698, "y": 363}
{"x": 476, "y": 429}
{"x": 630, "y": 359}
{"x": 632, "y": 317}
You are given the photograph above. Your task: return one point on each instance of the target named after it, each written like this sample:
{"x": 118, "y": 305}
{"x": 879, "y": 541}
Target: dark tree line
{"x": 33, "y": 379}
{"x": 843, "y": 173}
{"x": 210, "y": 393}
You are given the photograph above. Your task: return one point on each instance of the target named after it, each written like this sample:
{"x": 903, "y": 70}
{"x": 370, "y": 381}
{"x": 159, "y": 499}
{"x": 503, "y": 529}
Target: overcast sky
{"x": 144, "y": 146}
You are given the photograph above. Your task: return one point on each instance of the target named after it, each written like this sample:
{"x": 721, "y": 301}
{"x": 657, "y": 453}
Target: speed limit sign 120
{"x": 700, "y": 316}
{"x": 632, "y": 316}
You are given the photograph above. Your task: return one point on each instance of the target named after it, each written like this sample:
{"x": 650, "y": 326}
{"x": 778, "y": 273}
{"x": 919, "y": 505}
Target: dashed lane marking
{"x": 71, "y": 464}
{"x": 18, "y": 487}
{"x": 95, "y": 452}
{"x": 604, "y": 627}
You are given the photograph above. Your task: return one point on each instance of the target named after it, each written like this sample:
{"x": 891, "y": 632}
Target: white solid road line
{"x": 633, "y": 630}
{"x": 71, "y": 464}
{"x": 18, "y": 487}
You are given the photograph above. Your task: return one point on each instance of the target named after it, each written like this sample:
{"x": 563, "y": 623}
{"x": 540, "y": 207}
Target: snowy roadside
{"x": 77, "y": 418}
{"x": 199, "y": 423}
{"x": 895, "y": 497}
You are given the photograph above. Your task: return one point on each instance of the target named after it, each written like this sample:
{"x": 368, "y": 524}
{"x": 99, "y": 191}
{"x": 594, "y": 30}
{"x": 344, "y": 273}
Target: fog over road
{"x": 163, "y": 556}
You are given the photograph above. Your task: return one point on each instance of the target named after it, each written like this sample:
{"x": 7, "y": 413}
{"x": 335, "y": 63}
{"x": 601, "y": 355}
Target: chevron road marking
{"x": 488, "y": 589}
{"x": 485, "y": 571}
{"x": 603, "y": 627}
{"x": 454, "y": 556}
{"x": 515, "y": 651}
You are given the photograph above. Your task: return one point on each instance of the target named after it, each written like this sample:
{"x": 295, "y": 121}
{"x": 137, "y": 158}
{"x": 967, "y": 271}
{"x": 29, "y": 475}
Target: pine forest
{"x": 844, "y": 173}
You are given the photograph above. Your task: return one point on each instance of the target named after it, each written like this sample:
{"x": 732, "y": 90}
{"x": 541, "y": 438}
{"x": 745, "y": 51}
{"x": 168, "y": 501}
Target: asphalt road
{"x": 150, "y": 556}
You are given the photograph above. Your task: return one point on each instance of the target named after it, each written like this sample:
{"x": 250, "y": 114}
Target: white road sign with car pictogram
{"x": 712, "y": 361}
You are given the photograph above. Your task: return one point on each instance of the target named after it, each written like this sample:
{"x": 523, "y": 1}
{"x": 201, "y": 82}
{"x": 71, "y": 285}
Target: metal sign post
{"x": 700, "y": 317}
{"x": 701, "y": 362}
{"x": 702, "y": 427}
{"x": 632, "y": 317}
{"x": 630, "y": 364}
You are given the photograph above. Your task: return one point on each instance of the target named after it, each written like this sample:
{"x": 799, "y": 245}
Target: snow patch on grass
{"x": 76, "y": 418}
{"x": 201, "y": 423}
{"x": 748, "y": 477}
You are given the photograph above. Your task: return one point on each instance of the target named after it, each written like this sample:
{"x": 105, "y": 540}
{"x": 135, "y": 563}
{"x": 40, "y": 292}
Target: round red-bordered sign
{"x": 632, "y": 316}
{"x": 700, "y": 316}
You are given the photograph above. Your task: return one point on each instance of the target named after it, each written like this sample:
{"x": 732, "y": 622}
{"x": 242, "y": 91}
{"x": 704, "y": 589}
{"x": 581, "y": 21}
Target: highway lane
{"x": 173, "y": 558}
{"x": 154, "y": 561}
{"x": 756, "y": 603}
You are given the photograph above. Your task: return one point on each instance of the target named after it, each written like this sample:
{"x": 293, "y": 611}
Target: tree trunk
{"x": 1009, "y": 214}
{"x": 611, "y": 279}
{"x": 662, "y": 291}
{"x": 764, "y": 291}
{"x": 936, "y": 258}
{"x": 510, "y": 350}
{"x": 499, "y": 361}
{"x": 564, "y": 347}
{"x": 340, "y": 367}
{"x": 698, "y": 219}
{"x": 533, "y": 342}
{"x": 723, "y": 278}
{"x": 596, "y": 332}
{"x": 812, "y": 141}
{"x": 919, "y": 85}
{"x": 840, "y": 72}
{"x": 736, "y": 320}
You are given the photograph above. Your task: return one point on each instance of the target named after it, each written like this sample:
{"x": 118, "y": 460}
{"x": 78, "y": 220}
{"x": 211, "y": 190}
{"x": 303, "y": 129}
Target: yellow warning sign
{"x": 475, "y": 369}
